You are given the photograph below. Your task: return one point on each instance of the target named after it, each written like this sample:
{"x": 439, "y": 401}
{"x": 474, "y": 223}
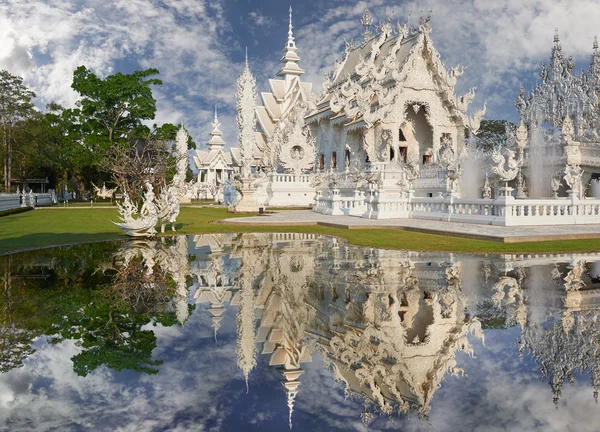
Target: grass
{"x": 42, "y": 228}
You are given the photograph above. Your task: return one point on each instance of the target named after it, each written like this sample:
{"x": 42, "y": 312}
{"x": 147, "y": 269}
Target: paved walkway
{"x": 483, "y": 232}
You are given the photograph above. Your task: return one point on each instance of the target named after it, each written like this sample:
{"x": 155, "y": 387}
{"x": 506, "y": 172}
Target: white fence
{"x": 504, "y": 211}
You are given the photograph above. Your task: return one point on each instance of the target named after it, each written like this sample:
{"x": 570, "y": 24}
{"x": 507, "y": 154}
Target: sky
{"x": 199, "y": 45}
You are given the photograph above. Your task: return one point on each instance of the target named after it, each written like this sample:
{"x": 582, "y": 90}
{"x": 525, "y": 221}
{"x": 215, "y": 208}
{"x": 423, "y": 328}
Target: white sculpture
{"x": 145, "y": 224}
{"x": 573, "y": 174}
{"x": 246, "y": 117}
{"x": 168, "y": 204}
{"x": 555, "y": 185}
{"x": 103, "y": 192}
{"x": 486, "y": 189}
{"x": 505, "y": 167}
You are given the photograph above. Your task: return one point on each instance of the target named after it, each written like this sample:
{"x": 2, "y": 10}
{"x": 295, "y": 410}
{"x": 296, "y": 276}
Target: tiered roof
{"x": 284, "y": 93}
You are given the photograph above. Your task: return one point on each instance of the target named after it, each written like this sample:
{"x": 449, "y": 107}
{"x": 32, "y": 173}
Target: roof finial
{"x": 290, "y": 43}
{"x": 556, "y": 38}
{"x": 595, "y": 46}
{"x": 216, "y": 116}
{"x": 246, "y": 56}
{"x": 366, "y": 21}
{"x": 290, "y": 57}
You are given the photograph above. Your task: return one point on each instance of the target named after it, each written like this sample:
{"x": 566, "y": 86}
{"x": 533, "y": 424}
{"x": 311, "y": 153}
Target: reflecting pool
{"x": 270, "y": 331}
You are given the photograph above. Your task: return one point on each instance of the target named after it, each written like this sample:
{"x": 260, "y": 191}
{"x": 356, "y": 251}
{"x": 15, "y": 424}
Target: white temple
{"x": 389, "y": 138}
{"x": 213, "y": 167}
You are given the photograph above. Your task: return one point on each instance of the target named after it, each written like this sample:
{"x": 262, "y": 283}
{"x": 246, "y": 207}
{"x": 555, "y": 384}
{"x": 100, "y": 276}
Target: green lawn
{"x": 60, "y": 226}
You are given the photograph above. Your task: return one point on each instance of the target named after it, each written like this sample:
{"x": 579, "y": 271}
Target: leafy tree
{"x": 15, "y": 106}
{"x": 112, "y": 108}
{"x": 494, "y": 133}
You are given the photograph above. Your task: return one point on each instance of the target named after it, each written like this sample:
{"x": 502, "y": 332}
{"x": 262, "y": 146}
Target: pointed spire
{"x": 595, "y": 63}
{"x": 290, "y": 384}
{"x": 247, "y": 67}
{"x": 216, "y": 142}
{"x": 290, "y": 59}
{"x": 556, "y": 58}
{"x": 367, "y": 20}
{"x": 290, "y": 34}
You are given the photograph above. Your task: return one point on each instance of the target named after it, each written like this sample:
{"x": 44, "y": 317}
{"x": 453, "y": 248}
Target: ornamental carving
{"x": 296, "y": 146}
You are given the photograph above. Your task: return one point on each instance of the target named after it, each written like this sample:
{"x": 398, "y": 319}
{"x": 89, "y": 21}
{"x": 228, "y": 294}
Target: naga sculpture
{"x": 505, "y": 167}
{"x": 145, "y": 224}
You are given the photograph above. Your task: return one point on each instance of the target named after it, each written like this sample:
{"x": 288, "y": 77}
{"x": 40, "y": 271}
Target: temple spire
{"x": 366, "y": 21}
{"x": 556, "y": 58}
{"x": 216, "y": 141}
{"x": 595, "y": 63}
{"x": 290, "y": 59}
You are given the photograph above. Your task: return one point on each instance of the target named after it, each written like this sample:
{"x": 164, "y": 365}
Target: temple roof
{"x": 365, "y": 85}
{"x": 363, "y": 51}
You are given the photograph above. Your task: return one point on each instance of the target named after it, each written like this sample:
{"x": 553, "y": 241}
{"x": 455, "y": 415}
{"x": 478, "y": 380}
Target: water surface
{"x": 267, "y": 331}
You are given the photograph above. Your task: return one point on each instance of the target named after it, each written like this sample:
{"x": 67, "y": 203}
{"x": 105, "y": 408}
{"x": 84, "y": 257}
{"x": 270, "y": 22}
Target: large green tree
{"x": 111, "y": 109}
{"x": 15, "y": 106}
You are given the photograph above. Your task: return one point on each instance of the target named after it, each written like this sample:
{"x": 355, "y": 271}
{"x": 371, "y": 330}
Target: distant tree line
{"x": 75, "y": 147}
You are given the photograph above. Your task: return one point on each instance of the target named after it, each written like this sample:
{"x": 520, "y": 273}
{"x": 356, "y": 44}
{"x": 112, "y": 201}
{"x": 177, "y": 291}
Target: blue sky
{"x": 199, "y": 45}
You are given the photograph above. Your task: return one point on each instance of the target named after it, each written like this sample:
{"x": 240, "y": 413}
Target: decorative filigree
{"x": 246, "y": 117}
{"x": 296, "y": 145}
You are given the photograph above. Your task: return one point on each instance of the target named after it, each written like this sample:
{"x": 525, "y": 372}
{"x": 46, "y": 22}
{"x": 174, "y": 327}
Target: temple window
{"x": 392, "y": 154}
{"x": 347, "y": 157}
{"x": 403, "y": 152}
{"x": 333, "y": 160}
{"x": 426, "y": 159}
{"x": 322, "y": 161}
{"x": 401, "y": 136}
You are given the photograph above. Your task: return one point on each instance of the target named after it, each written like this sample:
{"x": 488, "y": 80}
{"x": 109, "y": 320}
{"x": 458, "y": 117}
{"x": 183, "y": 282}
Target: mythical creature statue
{"x": 144, "y": 225}
{"x": 168, "y": 205}
{"x": 573, "y": 174}
{"x": 487, "y": 188}
{"x": 505, "y": 167}
{"x": 103, "y": 192}
{"x": 555, "y": 185}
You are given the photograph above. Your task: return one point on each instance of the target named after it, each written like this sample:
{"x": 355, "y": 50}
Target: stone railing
{"x": 349, "y": 202}
{"x": 501, "y": 211}
{"x": 291, "y": 178}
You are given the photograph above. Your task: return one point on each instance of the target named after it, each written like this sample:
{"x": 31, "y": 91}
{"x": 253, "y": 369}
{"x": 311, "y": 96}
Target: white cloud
{"x": 197, "y": 48}
{"x": 259, "y": 19}
{"x": 502, "y": 42}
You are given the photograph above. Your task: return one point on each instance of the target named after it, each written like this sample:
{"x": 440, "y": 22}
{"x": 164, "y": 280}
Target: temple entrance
{"x": 418, "y": 134}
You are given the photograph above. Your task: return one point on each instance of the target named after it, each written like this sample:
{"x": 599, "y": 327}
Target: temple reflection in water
{"x": 388, "y": 324}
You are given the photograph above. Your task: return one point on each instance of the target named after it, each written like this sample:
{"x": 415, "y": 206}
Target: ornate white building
{"x": 562, "y": 114}
{"x": 215, "y": 166}
{"x": 390, "y": 101}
